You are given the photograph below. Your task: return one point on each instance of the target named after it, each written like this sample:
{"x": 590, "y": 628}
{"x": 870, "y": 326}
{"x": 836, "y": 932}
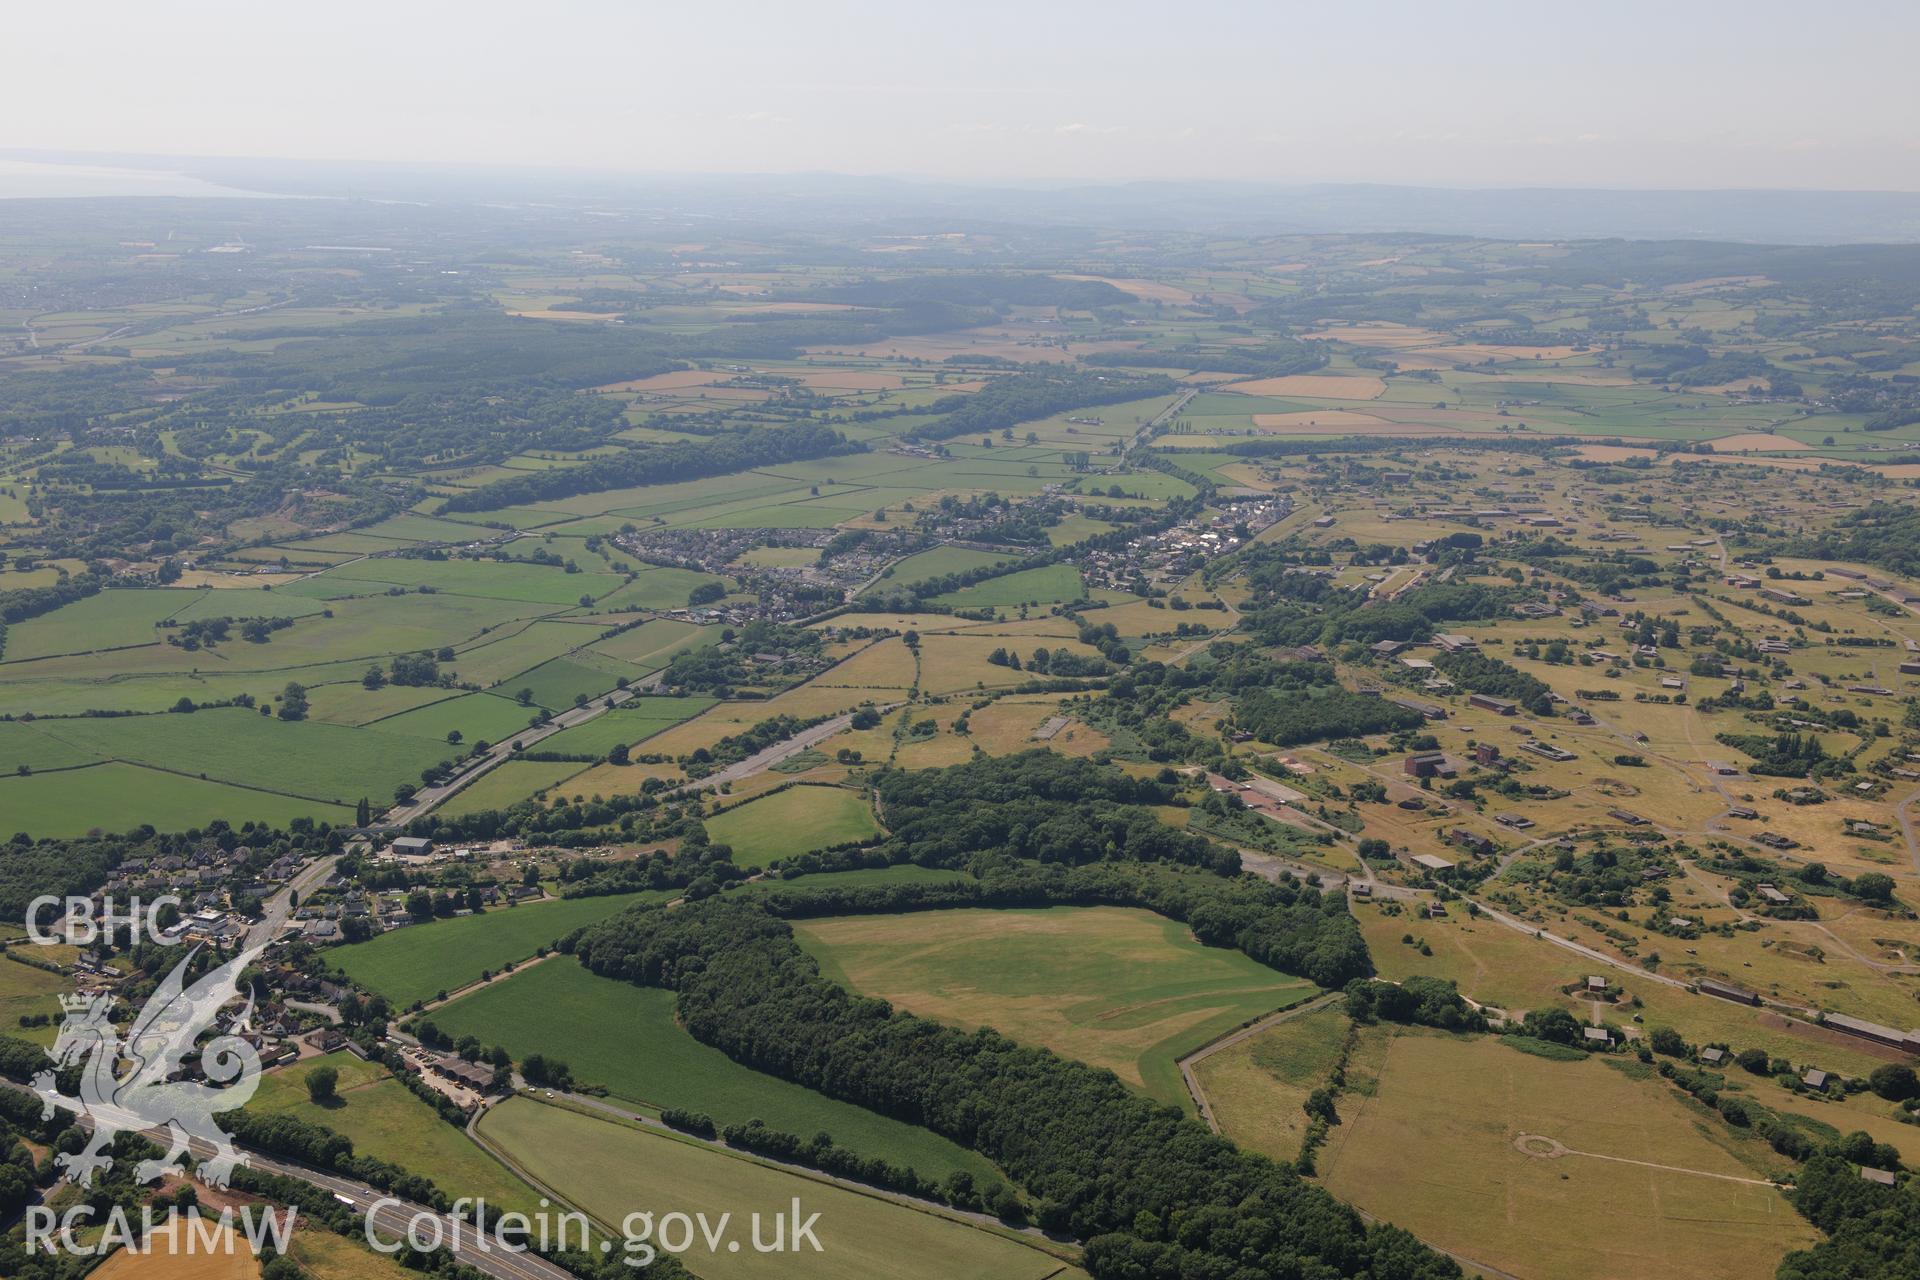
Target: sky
{"x": 1464, "y": 93}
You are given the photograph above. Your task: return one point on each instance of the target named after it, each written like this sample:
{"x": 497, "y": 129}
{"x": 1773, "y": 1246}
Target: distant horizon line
{"x": 182, "y": 163}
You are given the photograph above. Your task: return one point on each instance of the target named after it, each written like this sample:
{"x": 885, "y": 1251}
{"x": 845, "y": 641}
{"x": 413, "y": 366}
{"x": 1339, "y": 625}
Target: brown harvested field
{"x": 787, "y": 308}
{"x": 847, "y": 379}
{"x": 1314, "y": 386}
{"x": 1429, "y": 1139}
{"x": 177, "y": 1252}
{"x": 884, "y": 665}
{"x": 1576, "y": 376}
{"x": 965, "y": 343}
{"x": 678, "y": 380}
{"x": 1255, "y": 1088}
{"x": 1357, "y": 424}
{"x": 1756, "y": 440}
{"x": 1381, "y": 334}
{"x": 1319, "y": 419}
{"x": 1473, "y": 353}
{"x": 1009, "y": 725}
{"x": 565, "y": 315}
{"x": 1145, "y": 290}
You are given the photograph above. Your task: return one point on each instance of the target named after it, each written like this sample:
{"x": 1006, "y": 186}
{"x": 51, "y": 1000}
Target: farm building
{"x": 1499, "y": 706}
{"x": 1727, "y": 991}
{"x": 1472, "y": 842}
{"x": 1908, "y": 1040}
{"x": 1432, "y": 862}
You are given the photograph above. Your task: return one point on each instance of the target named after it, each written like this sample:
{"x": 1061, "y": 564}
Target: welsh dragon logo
{"x": 130, "y": 1086}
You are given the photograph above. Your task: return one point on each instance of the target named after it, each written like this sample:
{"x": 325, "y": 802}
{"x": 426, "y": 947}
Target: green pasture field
{"x": 324, "y": 762}
{"x": 508, "y": 580}
{"x": 631, "y": 722}
{"x": 1113, "y": 987}
{"x": 652, "y": 644}
{"x": 110, "y": 620}
{"x": 25, "y": 990}
{"x": 797, "y": 820}
{"x": 558, "y": 681}
{"x": 507, "y": 784}
{"x": 120, "y": 797}
{"x": 605, "y": 1168}
{"x": 626, "y": 1038}
{"x": 418, "y": 528}
{"x": 24, "y": 742}
{"x": 476, "y": 715}
{"x": 785, "y": 515}
{"x": 936, "y": 563}
{"x": 349, "y": 702}
{"x": 383, "y": 1119}
{"x": 516, "y": 517}
{"x": 656, "y": 589}
{"x": 232, "y": 602}
{"x": 509, "y": 650}
{"x": 357, "y": 544}
{"x": 420, "y": 961}
{"x": 1076, "y": 528}
{"x": 1048, "y": 585}
{"x": 905, "y": 873}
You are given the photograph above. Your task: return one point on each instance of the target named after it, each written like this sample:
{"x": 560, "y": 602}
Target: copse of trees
{"x": 1028, "y": 397}
{"x": 1035, "y": 805}
{"x": 716, "y": 455}
{"x": 1286, "y": 720}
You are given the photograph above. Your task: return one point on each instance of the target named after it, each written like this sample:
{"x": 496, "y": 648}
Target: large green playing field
{"x": 610, "y": 1170}
{"x": 384, "y": 1120}
{"x": 1055, "y": 582}
{"x": 326, "y": 762}
{"x": 119, "y": 797}
{"x": 936, "y": 563}
{"x": 420, "y": 961}
{"x": 1111, "y": 986}
{"x": 624, "y": 1037}
{"x": 797, "y": 820}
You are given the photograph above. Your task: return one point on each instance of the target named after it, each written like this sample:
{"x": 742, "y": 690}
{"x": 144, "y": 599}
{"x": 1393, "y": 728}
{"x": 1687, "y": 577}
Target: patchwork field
{"x": 420, "y": 961}
{"x": 1113, "y": 987}
{"x": 607, "y": 1168}
{"x": 797, "y": 820}
{"x": 626, "y": 1039}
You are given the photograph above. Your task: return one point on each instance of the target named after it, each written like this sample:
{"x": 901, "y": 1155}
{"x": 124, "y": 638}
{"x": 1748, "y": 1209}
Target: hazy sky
{"x": 1679, "y": 93}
